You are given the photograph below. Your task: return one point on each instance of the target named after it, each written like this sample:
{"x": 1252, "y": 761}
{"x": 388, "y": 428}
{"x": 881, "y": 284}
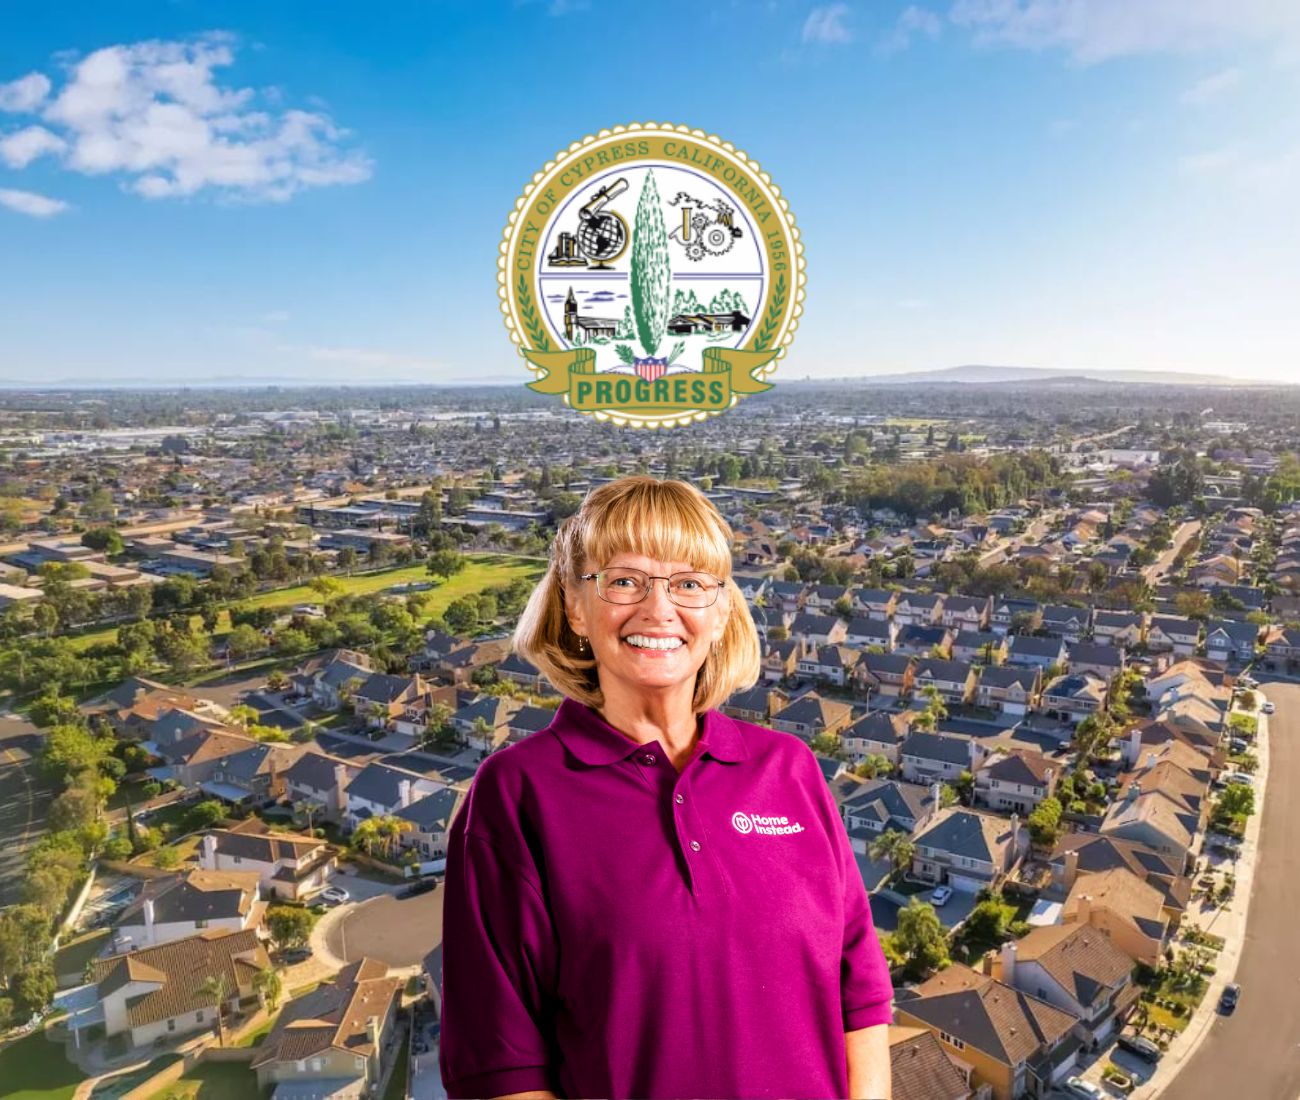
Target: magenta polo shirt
{"x": 613, "y": 928}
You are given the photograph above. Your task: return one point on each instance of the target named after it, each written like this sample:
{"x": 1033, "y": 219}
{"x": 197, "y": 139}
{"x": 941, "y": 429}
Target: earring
{"x": 582, "y": 643}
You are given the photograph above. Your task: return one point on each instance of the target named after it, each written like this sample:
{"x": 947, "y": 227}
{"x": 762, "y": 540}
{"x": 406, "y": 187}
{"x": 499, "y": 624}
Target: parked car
{"x": 335, "y": 895}
{"x": 940, "y": 895}
{"x": 1247, "y": 681}
{"x": 1243, "y": 778}
{"x": 291, "y": 955}
{"x": 419, "y": 886}
{"x": 1229, "y": 997}
{"x": 1084, "y": 1090}
{"x": 1139, "y": 1047}
{"x": 1238, "y": 744}
{"x": 1268, "y": 708}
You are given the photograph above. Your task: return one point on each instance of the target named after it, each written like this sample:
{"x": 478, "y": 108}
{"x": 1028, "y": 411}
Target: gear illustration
{"x": 717, "y": 240}
{"x": 698, "y": 222}
{"x": 695, "y": 251}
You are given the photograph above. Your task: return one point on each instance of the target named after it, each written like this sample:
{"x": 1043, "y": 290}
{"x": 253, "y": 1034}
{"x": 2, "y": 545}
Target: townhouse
{"x": 1068, "y": 623}
{"x": 922, "y": 641}
{"x": 877, "y": 733}
{"x": 954, "y": 680}
{"x": 1012, "y": 691}
{"x": 1119, "y": 628}
{"x": 1070, "y": 699}
{"x": 1230, "y": 640}
{"x": 983, "y": 646}
{"x": 925, "y": 757}
{"x": 288, "y": 866}
{"x": 1030, "y": 651}
{"x": 812, "y": 715}
{"x": 919, "y": 608}
{"x": 967, "y": 612}
{"x": 881, "y": 804}
{"x": 1175, "y": 634}
{"x": 187, "y": 903}
{"x": 1129, "y": 911}
{"x": 888, "y": 674}
{"x": 1105, "y": 661}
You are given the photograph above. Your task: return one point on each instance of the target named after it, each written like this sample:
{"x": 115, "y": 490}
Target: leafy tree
{"x": 445, "y": 563}
{"x": 989, "y": 922}
{"x": 920, "y": 938}
{"x": 290, "y": 925}
{"x": 33, "y": 988}
{"x": 1045, "y": 822}
{"x": 461, "y": 615}
{"x": 244, "y": 640}
{"x": 166, "y": 859}
{"x": 649, "y": 271}
{"x": 205, "y": 815}
{"x": 104, "y": 539}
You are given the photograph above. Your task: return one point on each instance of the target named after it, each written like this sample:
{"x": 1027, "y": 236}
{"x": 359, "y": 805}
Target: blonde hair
{"x": 666, "y": 520}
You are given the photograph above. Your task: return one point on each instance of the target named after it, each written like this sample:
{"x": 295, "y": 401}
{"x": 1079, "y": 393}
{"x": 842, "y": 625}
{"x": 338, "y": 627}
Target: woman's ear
{"x": 574, "y": 611}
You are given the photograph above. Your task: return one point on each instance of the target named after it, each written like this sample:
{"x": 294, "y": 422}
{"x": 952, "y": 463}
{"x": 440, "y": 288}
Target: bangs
{"x": 667, "y": 520}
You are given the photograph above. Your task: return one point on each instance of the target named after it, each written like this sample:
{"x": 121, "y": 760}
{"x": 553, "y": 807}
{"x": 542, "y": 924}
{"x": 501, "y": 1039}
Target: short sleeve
{"x": 866, "y": 989}
{"x": 498, "y": 971}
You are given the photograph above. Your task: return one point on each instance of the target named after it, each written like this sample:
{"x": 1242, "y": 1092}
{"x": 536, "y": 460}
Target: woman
{"x": 648, "y": 898}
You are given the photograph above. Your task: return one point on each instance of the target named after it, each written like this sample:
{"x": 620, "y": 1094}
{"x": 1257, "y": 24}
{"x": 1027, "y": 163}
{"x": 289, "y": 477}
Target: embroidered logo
{"x": 765, "y": 826}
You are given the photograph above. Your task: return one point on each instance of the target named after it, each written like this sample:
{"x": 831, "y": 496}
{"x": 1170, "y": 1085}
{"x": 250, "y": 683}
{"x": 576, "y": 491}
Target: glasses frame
{"x": 649, "y": 586}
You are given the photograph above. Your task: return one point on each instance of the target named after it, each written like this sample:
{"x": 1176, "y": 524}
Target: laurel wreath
{"x": 532, "y": 322}
{"x": 772, "y": 319}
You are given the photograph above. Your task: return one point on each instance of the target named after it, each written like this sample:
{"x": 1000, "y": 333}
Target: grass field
{"x": 481, "y": 571}
{"x": 213, "y": 1081}
{"x": 33, "y": 1068}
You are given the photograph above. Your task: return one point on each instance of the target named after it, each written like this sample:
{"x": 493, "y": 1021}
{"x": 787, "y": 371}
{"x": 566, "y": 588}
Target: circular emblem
{"x": 742, "y": 823}
{"x": 651, "y": 275}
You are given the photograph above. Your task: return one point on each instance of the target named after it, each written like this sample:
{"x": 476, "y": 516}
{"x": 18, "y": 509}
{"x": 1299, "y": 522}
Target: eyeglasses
{"x": 633, "y": 585}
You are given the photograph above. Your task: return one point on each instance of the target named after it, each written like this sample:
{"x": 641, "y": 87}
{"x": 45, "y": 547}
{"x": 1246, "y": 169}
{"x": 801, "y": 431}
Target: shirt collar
{"x": 594, "y": 741}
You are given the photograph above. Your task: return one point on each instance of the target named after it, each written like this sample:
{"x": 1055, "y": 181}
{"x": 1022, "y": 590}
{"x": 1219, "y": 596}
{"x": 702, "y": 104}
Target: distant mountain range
{"x": 982, "y": 375}
{"x": 968, "y": 375}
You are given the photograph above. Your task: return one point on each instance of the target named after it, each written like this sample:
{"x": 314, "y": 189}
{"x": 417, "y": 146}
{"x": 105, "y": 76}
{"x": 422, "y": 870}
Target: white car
{"x": 335, "y": 895}
{"x": 1268, "y": 708}
{"x": 940, "y": 895}
{"x": 1084, "y": 1090}
{"x": 1241, "y": 778}
{"x": 1248, "y": 681}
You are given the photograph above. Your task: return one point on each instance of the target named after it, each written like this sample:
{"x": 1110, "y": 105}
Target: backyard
{"x": 33, "y": 1068}
{"x": 213, "y": 1081}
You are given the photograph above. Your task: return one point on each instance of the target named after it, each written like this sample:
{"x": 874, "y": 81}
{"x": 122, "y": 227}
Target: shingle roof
{"x": 968, "y": 833}
{"x": 937, "y": 746}
{"x": 1003, "y": 1022}
{"x": 921, "y": 1070}
{"x": 433, "y": 813}
{"x": 198, "y": 895}
{"x": 1081, "y": 959}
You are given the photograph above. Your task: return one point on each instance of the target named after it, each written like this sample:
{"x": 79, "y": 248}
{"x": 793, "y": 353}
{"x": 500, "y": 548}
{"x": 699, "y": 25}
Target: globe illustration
{"x": 602, "y": 237}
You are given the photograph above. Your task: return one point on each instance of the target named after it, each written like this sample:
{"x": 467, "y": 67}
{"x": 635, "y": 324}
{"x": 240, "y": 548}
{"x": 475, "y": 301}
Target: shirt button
{"x": 695, "y": 845}
{"x": 649, "y": 758}
{"x": 679, "y": 798}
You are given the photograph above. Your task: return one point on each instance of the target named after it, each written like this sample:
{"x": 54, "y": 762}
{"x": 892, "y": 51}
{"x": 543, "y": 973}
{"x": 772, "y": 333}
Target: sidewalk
{"x": 1231, "y": 925}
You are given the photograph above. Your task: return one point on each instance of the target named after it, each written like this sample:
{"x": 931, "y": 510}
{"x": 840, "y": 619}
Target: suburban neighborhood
{"x": 254, "y": 652}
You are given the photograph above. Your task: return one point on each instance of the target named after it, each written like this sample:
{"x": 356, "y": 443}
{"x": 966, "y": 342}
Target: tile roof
{"x": 332, "y": 1016}
{"x": 179, "y": 969}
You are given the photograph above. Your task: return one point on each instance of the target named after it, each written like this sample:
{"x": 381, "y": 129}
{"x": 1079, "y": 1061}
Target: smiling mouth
{"x": 653, "y": 645}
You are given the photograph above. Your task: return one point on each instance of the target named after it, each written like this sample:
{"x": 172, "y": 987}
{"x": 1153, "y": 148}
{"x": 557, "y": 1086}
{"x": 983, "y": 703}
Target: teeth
{"x": 644, "y": 642}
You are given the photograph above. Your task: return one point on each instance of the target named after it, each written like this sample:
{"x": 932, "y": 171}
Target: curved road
{"x": 1255, "y": 1053}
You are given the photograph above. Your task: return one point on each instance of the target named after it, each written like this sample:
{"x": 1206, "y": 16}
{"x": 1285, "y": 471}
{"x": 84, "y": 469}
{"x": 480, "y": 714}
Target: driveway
{"x": 1255, "y": 1052}
{"x": 884, "y": 911}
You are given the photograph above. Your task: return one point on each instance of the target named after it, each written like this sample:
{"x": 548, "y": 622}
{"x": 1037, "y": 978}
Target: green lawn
{"x": 213, "y": 1081}
{"x": 480, "y": 572}
{"x": 33, "y": 1068}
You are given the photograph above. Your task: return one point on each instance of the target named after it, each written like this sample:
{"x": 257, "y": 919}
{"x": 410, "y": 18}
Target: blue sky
{"x": 193, "y": 192}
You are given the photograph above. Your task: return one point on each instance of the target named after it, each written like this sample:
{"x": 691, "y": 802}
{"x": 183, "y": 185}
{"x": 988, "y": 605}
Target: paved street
{"x": 1154, "y": 573}
{"x": 1255, "y": 1053}
{"x": 24, "y": 798}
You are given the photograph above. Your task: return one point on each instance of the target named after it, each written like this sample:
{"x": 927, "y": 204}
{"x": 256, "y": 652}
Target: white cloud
{"x": 1095, "y": 30}
{"x": 1260, "y": 172}
{"x": 22, "y": 147}
{"x": 25, "y": 93}
{"x": 912, "y": 21}
{"x": 828, "y": 25}
{"x": 32, "y": 204}
{"x": 1211, "y": 87}
{"x": 157, "y": 114}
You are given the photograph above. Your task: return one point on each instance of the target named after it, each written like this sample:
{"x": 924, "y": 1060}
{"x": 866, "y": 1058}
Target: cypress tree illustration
{"x": 649, "y": 271}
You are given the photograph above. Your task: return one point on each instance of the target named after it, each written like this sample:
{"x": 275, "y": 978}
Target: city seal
{"x": 651, "y": 275}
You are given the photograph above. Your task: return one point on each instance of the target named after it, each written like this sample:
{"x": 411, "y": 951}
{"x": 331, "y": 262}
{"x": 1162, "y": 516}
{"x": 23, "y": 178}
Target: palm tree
{"x": 895, "y": 846}
{"x": 308, "y": 808}
{"x": 268, "y": 986}
{"x": 215, "y": 987}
